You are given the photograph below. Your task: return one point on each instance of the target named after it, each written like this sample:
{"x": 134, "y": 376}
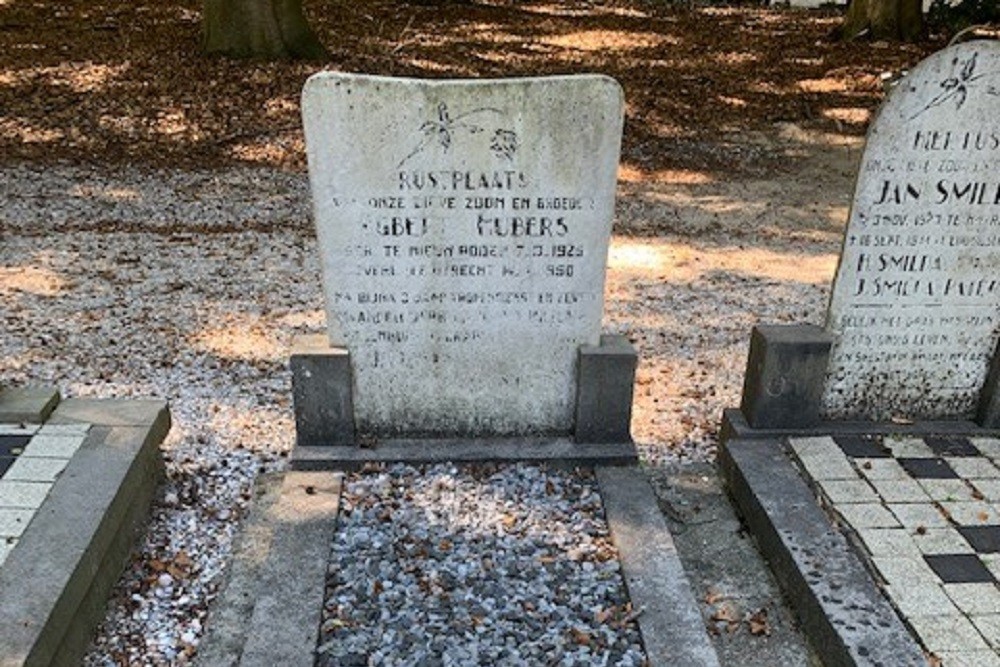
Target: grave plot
{"x": 484, "y": 564}
{"x": 889, "y": 412}
{"x": 74, "y": 488}
{"x": 464, "y": 230}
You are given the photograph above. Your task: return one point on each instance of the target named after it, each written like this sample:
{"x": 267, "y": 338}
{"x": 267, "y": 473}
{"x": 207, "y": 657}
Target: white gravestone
{"x": 915, "y": 308}
{"x": 464, "y": 229}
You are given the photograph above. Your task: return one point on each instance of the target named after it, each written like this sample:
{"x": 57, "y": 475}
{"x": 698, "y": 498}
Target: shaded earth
{"x": 116, "y": 82}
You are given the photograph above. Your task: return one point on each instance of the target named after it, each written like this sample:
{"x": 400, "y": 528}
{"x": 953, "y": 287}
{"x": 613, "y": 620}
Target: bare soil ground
{"x": 122, "y": 82}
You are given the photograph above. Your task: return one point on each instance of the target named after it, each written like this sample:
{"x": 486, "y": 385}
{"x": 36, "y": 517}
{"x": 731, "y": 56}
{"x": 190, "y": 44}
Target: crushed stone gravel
{"x": 499, "y": 566}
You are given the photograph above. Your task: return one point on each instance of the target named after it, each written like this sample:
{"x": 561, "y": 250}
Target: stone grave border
{"x": 326, "y": 439}
{"x": 280, "y": 565}
{"x": 834, "y": 594}
{"x": 55, "y": 583}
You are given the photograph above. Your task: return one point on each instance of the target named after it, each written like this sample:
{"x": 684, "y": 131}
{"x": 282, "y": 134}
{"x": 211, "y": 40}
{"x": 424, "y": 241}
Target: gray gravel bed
{"x": 500, "y": 566}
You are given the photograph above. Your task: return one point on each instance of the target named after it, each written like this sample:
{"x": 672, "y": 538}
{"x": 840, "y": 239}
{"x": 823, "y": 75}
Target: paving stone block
{"x": 988, "y": 446}
{"x": 941, "y": 633}
{"x": 861, "y": 446}
{"x": 26, "y": 469}
{"x": 24, "y": 495}
{"x": 975, "y": 513}
{"x": 976, "y": 598}
{"x": 947, "y": 490}
{"x": 921, "y": 598}
{"x": 900, "y": 491}
{"x": 941, "y": 541}
{"x": 974, "y": 467}
{"x": 959, "y": 568}
{"x": 904, "y": 447}
{"x": 6, "y": 546}
{"x": 984, "y": 539}
{"x": 828, "y": 465}
{"x": 13, "y": 522}
{"x": 873, "y": 469}
{"x": 867, "y": 515}
{"x": 928, "y": 469}
{"x": 917, "y": 516}
{"x": 887, "y": 542}
{"x": 989, "y": 489}
{"x": 951, "y": 445}
{"x": 969, "y": 659}
{"x": 989, "y": 626}
{"x": 845, "y": 491}
{"x": 61, "y": 446}
{"x": 904, "y": 572}
{"x": 814, "y": 445}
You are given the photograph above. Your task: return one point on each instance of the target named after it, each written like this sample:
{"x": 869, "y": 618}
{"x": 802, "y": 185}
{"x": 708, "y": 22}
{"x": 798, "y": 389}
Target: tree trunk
{"x": 884, "y": 19}
{"x": 269, "y": 29}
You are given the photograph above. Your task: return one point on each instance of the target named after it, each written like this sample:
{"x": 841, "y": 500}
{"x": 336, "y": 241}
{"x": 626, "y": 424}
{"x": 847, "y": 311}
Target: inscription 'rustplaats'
{"x": 449, "y": 180}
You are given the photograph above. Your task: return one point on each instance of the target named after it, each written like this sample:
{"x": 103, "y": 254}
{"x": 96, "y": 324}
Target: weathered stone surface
{"x": 784, "y": 376}
{"x": 464, "y": 228}
{"x": 606, "y": 378}
{"x": 323, "y": 393}
{"x": 916, "y": 301}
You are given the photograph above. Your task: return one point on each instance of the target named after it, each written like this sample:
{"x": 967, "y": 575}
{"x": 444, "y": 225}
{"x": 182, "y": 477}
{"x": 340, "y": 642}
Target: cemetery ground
{"x": 155, "y": 240}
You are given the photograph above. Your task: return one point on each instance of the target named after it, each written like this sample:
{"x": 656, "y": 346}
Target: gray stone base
{"x": 269, "y": 610}
{"x": 29, "y": 405}
{"x": 323, "y": 386}
{"x": 734, "y": 425}
{"x": 554, "y": 452}
{"x": 672, "y": 628}
{"x": 841, "y": 610}
{"x": 55, "y": 583}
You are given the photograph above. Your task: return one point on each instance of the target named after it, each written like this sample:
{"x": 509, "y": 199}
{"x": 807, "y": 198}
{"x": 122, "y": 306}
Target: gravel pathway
{"x": 509, "y": 566}
{"x": 189, "y": 286}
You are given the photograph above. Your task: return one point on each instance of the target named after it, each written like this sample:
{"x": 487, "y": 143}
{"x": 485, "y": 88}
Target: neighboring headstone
{"x": 464, "y": 228}
{"x": 915, "y": 308}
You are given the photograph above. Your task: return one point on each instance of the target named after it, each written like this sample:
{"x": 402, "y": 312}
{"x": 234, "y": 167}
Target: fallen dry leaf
{"x": 758, "y": 623}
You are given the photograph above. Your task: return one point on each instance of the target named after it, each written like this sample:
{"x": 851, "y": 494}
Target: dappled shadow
{"x": 119, "y": 82}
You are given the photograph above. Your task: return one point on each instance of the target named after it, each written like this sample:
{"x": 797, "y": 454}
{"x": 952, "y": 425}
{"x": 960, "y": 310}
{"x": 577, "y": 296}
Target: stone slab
{"x": 552, "y": 451}
{"x": 784, "y": 377}
{"x": 269, "y": 612}
{"x": 605, "y": 385}
{"x": 842, "y": 612}
{"x": 109, "y": 412}
{"x": 915, "y": 307}
{"x": 322, "y": 391}
{"x": 729, "y": 576}
{"x": 672, "y": 628}
{"x": 55, "y": 582}
{"x": 227, "y": 627}
{"x": 463, "y": 229}
{"x": 30, "y": 405}
{"x": 735, "y": 425}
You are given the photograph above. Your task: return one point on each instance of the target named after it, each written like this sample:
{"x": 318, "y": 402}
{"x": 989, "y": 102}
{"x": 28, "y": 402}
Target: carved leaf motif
{"x": 969, "y": 67}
